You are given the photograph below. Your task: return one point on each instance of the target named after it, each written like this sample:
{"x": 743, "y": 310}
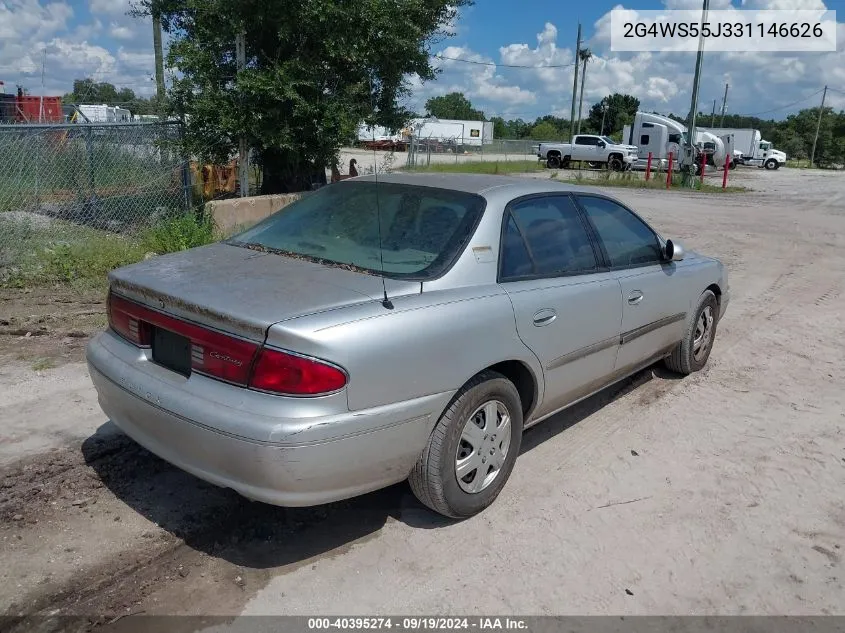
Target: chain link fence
{"x": 57, "y": 181}
{"x": 422, "y": 152}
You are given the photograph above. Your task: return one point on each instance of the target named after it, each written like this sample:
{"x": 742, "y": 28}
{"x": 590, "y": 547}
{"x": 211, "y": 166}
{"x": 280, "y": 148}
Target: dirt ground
{"x": 717, "y": 494}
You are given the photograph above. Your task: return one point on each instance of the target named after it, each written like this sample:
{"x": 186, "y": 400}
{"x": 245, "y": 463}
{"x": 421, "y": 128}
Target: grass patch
{"x": 482, "y": 167}
{"x": 42, "y": 364}
{"x": 628, "y": 179}
{"x": 39, "y": 251}
{"x": 635, "y": 180}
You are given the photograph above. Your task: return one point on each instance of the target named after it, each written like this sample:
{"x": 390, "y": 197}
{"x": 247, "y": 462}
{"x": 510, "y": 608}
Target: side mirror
{"x": 602, "y": 144}
{"x": 674, "y": 251}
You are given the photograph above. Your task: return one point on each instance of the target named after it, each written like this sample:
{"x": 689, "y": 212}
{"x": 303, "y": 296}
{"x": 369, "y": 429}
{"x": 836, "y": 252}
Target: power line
{"x": 788, "y": 105}
{"x": 471, "y": 61}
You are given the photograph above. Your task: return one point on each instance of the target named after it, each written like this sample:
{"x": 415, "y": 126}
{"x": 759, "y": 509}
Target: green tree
{"x": 621, "y": 109}
{"x": 546, "y": 131}
{"x": 453, "y": 106}
{"x": 560, "y": 125}
{"x": 314, "y": 70}
{"x": 88, "y": 91}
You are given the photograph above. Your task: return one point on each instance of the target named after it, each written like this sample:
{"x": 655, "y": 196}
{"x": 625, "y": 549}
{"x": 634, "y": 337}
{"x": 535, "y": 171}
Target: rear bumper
{"x": 294, "y": 454}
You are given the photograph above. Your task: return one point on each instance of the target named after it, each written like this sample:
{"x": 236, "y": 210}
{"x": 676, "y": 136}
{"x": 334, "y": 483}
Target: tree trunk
{"x": 283, "y": 172}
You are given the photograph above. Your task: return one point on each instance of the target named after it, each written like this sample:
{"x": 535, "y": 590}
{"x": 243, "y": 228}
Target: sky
{"x": 72, "y": 39}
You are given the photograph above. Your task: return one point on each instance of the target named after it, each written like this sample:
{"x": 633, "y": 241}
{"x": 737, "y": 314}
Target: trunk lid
{"x": 242, "y": 291}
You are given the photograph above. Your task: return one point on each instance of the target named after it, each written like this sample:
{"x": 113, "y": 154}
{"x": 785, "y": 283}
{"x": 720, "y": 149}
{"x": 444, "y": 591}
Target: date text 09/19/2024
{"x": 416, "y": 623}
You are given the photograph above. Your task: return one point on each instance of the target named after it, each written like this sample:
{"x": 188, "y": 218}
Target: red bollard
{"x": 648, "y": 167}
{"x": 669, "y": 173}
{"x": 703, "y": 165}
{"x": 725, "y": 175}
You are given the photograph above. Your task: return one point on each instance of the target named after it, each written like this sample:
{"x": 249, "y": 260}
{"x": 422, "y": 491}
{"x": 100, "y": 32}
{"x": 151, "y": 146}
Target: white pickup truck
{"x": 596, "y": 150}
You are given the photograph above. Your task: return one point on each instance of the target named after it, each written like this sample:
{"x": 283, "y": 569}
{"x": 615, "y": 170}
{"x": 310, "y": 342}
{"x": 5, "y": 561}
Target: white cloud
{"x": 121, "y": 32}
{"x": 109, "y": 7}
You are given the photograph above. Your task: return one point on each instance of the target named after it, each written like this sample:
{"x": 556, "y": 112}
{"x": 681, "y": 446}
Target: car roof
{"x": 480, "y": 184}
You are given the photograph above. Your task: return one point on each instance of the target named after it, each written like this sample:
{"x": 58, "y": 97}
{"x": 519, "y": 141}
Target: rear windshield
{"x": 423, "y": 229}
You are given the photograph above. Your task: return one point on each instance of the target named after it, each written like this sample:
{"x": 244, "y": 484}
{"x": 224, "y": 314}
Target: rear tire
{"x": 692, "y": 352}
{"x": 479, "y": 436}
{"x": 553, "y": 161}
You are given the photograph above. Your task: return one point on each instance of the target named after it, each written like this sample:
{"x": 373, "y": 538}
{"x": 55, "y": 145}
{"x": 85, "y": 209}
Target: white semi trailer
{"x": 755, "y": 150}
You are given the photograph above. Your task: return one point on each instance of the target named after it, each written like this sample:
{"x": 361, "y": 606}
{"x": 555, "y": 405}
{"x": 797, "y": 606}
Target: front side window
{"x": 627, "y": 240}
{"x": 545, "y": 236}
{"x": 586, "y": 140}
{"x": 423, "y": 229}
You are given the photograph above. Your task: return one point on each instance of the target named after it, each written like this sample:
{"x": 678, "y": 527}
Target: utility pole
{"x": 818, "y": 126}
{"x": 575, "y": 81}
{"x": 243, "y": 154}
{"x": 724, "y": 105}
{"x": 713, "y": 115}
{"x": 603, "y": 114}
{"x": 43, "y": 65}
{"x": 159, "y": 57}
{"x": 689, "y": 154}
{"x": 585, "y": 55}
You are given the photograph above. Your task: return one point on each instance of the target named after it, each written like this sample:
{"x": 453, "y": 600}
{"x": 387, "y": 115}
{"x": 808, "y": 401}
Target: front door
{"x": 567, "y": 308}
{"x": 655, "y": 297}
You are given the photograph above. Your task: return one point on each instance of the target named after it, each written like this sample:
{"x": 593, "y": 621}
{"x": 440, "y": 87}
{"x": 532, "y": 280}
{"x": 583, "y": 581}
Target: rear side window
{"x": 586, "y": 140}
{"x": 627, "y": 240}
{"x": 545, "y": 236}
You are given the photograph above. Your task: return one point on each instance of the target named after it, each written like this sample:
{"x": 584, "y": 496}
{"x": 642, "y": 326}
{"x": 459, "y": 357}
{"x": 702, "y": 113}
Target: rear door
{"x": 567, "y": 308}
{"x": 655, "y": 292}
{"x": 585, "y": 148}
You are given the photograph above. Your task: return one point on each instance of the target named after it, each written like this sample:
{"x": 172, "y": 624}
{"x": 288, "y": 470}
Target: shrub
{"x": 179, "y": 233}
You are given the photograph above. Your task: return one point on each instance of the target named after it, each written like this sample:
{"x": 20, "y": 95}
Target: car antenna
{"x": 387, "y": 303}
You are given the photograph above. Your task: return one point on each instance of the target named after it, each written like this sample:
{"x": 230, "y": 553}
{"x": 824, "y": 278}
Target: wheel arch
{"x": 716, "y": 290}
{"x": 523, "y": 377}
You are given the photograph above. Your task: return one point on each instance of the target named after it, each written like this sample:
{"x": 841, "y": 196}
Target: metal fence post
{"x": 186, "y": 170}
{"x": 89, "y": 151}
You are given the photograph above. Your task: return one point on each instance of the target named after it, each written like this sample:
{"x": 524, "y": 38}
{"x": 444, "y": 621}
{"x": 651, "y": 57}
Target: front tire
{"x": 615, "y": 163}
{"x": 692, "y": 352}
{"x": 472, "y": 449}
{"x": 771, "y": 164}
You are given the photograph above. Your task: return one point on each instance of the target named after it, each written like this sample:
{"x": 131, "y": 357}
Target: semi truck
{"x": 754, "y": 150}
{"x": 660, "y": 135}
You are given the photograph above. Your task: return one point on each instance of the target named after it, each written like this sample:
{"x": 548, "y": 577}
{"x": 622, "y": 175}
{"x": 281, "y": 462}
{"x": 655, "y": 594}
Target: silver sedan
{"x": 409, "y": 327}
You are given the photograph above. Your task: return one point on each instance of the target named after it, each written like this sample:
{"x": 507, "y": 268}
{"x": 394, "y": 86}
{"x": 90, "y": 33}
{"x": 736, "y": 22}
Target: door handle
{"x": 544, "y": 317}
{"x": 635, "y": 297}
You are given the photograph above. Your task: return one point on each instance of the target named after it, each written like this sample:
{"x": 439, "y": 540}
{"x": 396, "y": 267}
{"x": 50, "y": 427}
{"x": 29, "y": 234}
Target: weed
{"x": 41, "y": 364}
{"x": 88, "y": 262}
{"x": 179, "y": 233}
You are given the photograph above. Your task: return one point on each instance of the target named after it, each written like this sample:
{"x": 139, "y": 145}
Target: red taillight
{"x": 283, "y": 373}
{"x": 124, "y": 318}
{"x": 212, "y": 353}
{"x": 226, "y": 357}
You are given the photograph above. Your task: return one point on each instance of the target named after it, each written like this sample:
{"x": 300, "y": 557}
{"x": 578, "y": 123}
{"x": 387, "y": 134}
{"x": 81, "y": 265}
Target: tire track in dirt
{"x": 205, "y": 542}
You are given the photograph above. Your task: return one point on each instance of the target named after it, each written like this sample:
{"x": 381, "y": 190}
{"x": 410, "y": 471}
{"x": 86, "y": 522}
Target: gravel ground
{"x": 717, "y": 494}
